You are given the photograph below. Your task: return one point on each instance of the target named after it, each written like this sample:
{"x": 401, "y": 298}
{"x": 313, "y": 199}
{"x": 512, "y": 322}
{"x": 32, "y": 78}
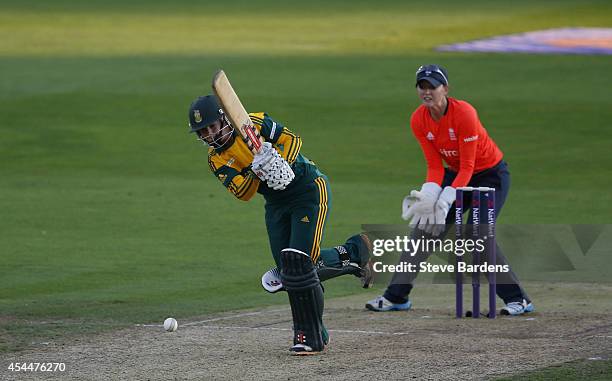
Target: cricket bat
{"x": 235, "y": 112}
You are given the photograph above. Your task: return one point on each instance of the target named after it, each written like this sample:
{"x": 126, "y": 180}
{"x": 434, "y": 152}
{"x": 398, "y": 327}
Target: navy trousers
{"x": 508, "y": 287}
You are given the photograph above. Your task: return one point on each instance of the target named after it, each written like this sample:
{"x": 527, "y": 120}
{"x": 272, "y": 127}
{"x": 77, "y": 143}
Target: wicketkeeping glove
{"x": 418, "y": 207}
{"x": 446, "y": 199}
{"x": 407, "y": 204}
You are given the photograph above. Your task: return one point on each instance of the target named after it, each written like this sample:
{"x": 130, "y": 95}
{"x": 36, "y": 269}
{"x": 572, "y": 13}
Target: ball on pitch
{"x": 170, "y": 324}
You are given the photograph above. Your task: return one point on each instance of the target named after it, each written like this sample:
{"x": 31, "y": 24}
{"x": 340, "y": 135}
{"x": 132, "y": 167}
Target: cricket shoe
{"x": 382, "y": 304}
{"x": 366, "y": 265}
{"x": 301, "y": 348}
{"x": 271, "y": 281}
{"x": 361, "y": 245}
{"x": 517, "y": 308}
{"x": 304, "y": 350}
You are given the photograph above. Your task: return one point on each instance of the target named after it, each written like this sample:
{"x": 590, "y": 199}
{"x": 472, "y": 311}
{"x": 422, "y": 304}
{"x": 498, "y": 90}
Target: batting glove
{"x": 280, "y": 175}
{"x": 446, "y": 199}
{"x": 263, "y": 160}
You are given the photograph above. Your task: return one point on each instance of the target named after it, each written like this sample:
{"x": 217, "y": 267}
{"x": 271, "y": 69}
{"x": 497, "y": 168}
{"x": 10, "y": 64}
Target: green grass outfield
{"x": 109, "y": 214}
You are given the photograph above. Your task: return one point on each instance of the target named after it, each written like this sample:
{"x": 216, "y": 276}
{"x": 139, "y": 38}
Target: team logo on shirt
{"x": 430, "y": 136}
{"x": 231, "y": 161}
{"x": 449, "y": 153}
{"x": 451, "y": 134}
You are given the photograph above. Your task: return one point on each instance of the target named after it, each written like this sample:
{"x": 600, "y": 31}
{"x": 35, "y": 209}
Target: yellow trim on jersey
{"x": 257, "y": 118}
{"x": 237, "y": 157}
{"x": 315, "y": 252}
{"x": 292, "y": 145}
{"x": 243, "y": 189}
{"x": 211, "y": 164}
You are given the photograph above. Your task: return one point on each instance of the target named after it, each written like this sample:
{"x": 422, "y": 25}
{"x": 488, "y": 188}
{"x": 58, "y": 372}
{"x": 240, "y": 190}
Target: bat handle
{"x": 254, "y": 138}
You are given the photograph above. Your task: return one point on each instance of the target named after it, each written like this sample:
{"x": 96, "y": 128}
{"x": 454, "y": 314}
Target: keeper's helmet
{"x": 204, "y": 112}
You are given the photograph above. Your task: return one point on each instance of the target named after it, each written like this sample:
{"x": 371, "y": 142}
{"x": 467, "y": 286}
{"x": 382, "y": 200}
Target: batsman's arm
{"x": 292, "y": 144}
{"x": 243, "y": 185}
{"x": 277, "y": 134}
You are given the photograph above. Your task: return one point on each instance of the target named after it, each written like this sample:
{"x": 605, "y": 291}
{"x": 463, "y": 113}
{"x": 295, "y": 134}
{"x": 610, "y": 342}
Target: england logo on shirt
{"x": 451, "y": 134}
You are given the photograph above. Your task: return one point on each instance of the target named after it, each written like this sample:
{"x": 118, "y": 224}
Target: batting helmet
{"x": 203, "y": 112}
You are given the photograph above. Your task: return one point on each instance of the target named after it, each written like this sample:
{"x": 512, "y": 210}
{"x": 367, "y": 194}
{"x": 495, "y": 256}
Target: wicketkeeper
{"x": 450, "y": 132}
{"x": 298, "y": 200}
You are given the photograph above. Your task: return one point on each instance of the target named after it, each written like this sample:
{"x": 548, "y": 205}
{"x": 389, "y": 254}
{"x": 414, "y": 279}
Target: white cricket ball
{"x": 170, "y": 324}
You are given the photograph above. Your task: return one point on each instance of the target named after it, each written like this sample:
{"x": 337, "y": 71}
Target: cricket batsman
{"x": 297, "y": 203}
{"x": 459, "y": 152}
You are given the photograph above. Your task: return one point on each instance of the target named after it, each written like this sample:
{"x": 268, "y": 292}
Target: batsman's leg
{"x": 278, "y": 226}
{"x": 353, "y": 257}
{"x": 300, "y": 278}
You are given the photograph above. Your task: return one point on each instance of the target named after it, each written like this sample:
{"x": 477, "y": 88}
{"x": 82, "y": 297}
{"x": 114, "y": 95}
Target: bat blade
{"x": 235, "y": 111}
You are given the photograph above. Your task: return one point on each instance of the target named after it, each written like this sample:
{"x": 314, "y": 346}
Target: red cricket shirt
{"x": 459, "y": 139}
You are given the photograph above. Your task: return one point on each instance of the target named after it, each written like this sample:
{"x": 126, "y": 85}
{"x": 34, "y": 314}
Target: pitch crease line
{"x": 290, "y": 329}
{"x": 236, "y": 316}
